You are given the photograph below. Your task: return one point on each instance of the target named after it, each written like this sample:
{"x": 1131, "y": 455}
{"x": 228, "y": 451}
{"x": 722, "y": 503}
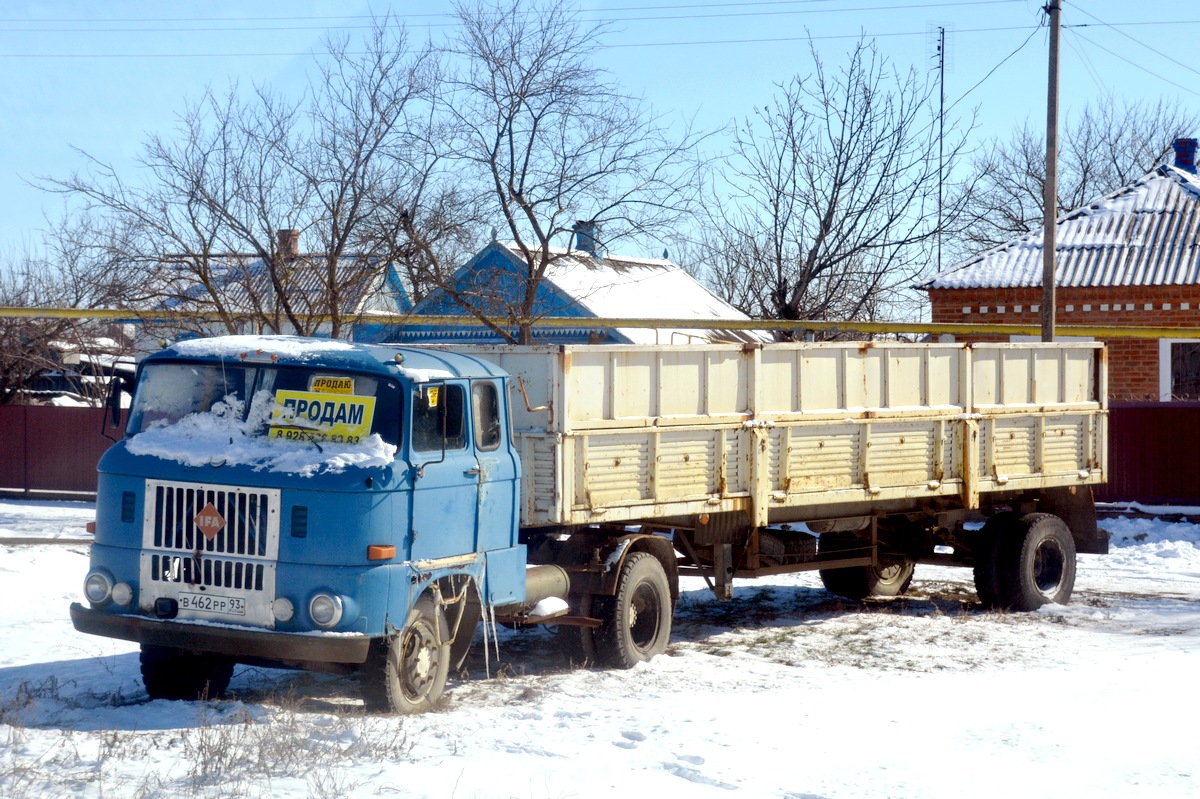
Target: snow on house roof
{"x": 621, "y": 287}
{"x": 1143, "y": 234}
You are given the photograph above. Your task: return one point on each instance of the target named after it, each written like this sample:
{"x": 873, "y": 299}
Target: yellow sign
{"x": 321, "y": 416}
{"x": 431, "y": 394}
{"x": 332, "y": 385}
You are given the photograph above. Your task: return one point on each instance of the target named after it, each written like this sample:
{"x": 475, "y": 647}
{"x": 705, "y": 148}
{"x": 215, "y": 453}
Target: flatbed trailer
{"x": 359, "y": 509}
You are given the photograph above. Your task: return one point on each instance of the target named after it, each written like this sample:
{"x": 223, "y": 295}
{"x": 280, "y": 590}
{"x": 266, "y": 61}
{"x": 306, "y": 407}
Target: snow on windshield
{"x": 220, "y": 437}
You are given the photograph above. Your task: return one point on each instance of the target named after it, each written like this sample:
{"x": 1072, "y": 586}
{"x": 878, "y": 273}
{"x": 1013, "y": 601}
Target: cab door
{"x": 445, "y": 472}
{"x": 499, "y": 469}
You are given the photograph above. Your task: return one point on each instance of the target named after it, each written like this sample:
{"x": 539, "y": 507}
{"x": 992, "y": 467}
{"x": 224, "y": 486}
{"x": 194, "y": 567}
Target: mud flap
{"x": 1075, "y": 506}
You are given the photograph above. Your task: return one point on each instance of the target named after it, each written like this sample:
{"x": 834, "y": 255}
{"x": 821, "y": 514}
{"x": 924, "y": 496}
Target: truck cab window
{"x": 437, "y": 412}
{"x": 485, "y": 405}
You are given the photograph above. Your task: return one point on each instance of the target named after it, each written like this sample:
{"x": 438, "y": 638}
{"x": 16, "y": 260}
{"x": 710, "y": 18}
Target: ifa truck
{"x": 365, "y": 510}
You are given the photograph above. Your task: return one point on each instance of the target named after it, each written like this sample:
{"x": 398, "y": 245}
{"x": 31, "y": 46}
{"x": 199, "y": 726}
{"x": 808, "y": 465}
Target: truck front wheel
{"x": 637, "y": 620}
{"x": 1036, "y": 563}
{"x": 170, "y": 673}
{"x": 406, "y": 673}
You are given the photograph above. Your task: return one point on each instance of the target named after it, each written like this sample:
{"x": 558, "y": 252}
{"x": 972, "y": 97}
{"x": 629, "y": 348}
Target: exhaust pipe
{"x": 541, "y": 583}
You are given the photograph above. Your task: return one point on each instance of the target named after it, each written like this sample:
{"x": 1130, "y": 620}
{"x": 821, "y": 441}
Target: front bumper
{"x": 239, "y": 643}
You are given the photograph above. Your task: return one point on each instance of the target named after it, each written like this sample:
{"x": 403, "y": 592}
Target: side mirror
{"x": 113, "y": 402}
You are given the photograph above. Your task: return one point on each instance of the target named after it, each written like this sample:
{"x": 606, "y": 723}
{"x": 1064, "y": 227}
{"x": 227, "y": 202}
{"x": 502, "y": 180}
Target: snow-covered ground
{"x": 784, "y": 692}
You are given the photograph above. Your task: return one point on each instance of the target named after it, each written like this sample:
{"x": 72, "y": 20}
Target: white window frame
{"x": 1164, "y": 365}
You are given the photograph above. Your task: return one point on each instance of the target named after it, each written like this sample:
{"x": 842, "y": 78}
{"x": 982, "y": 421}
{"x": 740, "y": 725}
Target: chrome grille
{"x": 246, "y": 512}
{"x": 210, "y": 572}
{"x": 214, "y": 541}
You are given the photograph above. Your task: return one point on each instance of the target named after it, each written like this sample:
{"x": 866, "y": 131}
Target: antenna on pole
{"x": 1050, "y": 190}
{"x": 941, "y": 52}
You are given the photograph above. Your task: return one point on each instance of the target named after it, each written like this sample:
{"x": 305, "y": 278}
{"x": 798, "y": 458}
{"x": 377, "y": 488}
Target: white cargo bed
{"x": 781, "y": 431}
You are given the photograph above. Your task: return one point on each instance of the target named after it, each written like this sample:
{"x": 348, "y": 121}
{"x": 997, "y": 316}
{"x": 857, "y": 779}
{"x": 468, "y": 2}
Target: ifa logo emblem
{"x": 209, "y": 521}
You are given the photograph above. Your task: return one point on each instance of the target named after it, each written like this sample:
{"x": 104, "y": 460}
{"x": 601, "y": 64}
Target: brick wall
{"x": 1133, "y": 364}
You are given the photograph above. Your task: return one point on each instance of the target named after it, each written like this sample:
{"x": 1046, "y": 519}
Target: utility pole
{"x": 1050, "y": 190}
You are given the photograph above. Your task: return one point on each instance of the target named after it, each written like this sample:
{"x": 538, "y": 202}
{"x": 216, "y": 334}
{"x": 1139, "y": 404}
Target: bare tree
{"x": 540, "y": 138}
{"x": 1106, "y": 146}
{"x": 827, "y": 205}
{"x": 64, "y": 275}
{"x": 203, "y": 232}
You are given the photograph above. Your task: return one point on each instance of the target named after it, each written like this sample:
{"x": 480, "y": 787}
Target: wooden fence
{"x": 1154, "y": 452}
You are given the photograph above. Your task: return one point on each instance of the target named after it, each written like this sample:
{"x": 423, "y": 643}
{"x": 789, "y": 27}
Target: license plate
{"x": 212, "y": 603}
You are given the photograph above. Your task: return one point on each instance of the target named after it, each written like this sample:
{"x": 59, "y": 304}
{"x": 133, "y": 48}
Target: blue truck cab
{"x": 310, "y": 504}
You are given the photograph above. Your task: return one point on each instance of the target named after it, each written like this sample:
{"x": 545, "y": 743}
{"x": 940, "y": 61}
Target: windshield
{"x": 279, "y": 402}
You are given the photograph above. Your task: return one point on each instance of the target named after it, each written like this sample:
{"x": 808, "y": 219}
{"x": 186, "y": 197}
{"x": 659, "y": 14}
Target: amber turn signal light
{"x": 381, "y": 552}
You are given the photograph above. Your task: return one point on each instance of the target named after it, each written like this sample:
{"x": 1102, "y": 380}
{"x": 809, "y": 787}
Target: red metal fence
{"x": 1154, "y": 452}
{"x": 47, "y": 451}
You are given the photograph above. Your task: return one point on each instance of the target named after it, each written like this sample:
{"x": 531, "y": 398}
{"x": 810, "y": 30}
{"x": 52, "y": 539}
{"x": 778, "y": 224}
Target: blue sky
{"x": 100, "y": 76}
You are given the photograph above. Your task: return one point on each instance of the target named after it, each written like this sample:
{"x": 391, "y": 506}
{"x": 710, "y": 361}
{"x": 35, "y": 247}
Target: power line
{"x": 1135, "y": 64}
{"x": 451, "y": 15}
{"x": 992, "y": 71}
{"x": 1136, "y": 41}
{"x": 780, "y": 39}
{"x": 367, "y": 26}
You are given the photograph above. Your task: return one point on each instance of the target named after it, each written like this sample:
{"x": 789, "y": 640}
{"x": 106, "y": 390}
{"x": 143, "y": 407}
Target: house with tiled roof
{"x": 245, "y": 285}
{"x": 1130, "y": 258}
{"x": 580, "y": 283}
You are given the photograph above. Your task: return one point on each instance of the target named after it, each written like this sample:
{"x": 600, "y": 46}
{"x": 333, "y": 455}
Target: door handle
{"x": 474, "y": 472}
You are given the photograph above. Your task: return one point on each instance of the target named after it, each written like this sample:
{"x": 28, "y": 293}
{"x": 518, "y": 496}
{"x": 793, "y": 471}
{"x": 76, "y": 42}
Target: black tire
{"x": 772, "y": 551}
{"x": 578, "y": 643}
{"x": 1036, "y": 563}
{"x": 637, "y": 621}
{"x": 859, "y": 582}
{"x": 406, "y": 673}
{"x": 986, "y": 549}
{"x": 170, "y": 673}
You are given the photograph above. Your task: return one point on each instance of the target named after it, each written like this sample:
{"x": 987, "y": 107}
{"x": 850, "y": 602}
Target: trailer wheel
{"x": 987, "y": 550}
{"x": 170, "y": 673}
{"x": 1036, "y": 564}
{"x": 406, "y": 673}
{"x": 859, "y": 582}
{"x": 637, "y": 621}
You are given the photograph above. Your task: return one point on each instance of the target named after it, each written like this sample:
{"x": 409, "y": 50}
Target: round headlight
{"x": 283, "y": 609}
{"x": 325, "y": 610}
{"x": 122, "y": 594}
{"x": 97, "y": 588}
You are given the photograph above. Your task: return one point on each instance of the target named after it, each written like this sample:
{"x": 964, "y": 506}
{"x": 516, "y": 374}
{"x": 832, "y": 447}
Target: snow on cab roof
{"x": 418, "y": 365}
{"x": 1143, "y": 234}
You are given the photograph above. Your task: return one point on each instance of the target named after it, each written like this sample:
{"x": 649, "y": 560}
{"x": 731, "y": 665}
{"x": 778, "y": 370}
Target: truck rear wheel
{"x": 407, "y": 672}
{"x": 170, "y": 673}
{"x": 637, "y": 621}
{"x": 1036, "y": 563}
{"x": 987, "y": 551}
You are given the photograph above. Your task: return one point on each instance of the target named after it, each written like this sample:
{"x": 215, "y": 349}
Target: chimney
{"x": 585, "y": 237}
{"x": 288, "y": 242}
{"x": 1185, "y": 154}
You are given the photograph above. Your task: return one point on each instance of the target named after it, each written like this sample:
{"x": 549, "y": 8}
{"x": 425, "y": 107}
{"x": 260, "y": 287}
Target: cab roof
{"x": 417, "y": 364}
